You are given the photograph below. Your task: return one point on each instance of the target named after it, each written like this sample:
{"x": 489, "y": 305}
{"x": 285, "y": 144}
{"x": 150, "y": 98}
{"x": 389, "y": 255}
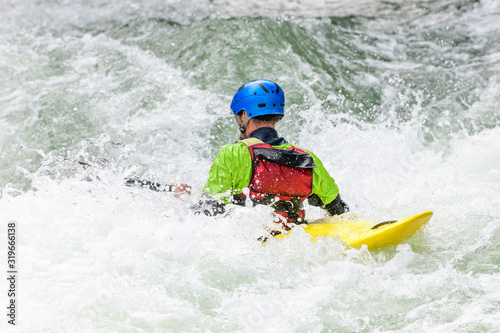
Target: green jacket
{"x": 231, "y": 172}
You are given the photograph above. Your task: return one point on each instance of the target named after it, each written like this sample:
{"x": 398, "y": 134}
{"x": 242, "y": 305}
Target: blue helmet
{"x": 258, "y": 98}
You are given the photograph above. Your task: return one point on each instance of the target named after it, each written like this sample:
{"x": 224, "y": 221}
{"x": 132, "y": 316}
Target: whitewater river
{"x": 399, "y": 98}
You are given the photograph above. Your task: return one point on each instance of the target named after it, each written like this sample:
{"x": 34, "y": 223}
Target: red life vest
{"x": 281, "y": 178}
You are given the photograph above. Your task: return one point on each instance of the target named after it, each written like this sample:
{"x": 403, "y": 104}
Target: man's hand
{"x": 180, "y": 189}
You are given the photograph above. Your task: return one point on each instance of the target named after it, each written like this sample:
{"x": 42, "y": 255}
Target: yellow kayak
{"x": 358, "y": 232}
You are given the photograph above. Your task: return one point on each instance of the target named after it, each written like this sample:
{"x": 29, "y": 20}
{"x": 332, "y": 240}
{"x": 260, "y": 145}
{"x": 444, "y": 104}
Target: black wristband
{"x": 209, "y": 207}
{"x": 336, "y": 207}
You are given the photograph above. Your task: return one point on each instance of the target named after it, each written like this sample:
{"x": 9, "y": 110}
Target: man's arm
{"x": 230, "y": 173}
{"x": 325, "y": 190}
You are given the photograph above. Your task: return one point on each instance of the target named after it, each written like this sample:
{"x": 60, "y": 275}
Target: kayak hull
{"x": 356, "y": 233}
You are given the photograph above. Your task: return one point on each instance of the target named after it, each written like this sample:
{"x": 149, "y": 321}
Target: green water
{"x": 399, "y": 100}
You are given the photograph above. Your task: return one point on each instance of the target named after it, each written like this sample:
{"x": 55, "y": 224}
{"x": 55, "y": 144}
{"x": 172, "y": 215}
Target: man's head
{"x": 260, "y": 100}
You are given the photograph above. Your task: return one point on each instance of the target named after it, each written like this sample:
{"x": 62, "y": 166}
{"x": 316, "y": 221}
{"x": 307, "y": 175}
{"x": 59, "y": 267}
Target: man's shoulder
{"x": 233, "y": 154}
{"x": 232, "y": 148}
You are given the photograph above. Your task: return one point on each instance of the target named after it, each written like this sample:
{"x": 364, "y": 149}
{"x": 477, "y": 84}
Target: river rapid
{"x": 399, "y": 99}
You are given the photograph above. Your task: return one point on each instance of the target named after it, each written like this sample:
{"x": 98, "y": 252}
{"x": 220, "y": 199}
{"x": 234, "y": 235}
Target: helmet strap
{"x": 242, "y": 126}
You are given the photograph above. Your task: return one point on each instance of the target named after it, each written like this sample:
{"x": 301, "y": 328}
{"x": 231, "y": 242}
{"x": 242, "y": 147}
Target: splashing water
{"x": 398, "y": 98}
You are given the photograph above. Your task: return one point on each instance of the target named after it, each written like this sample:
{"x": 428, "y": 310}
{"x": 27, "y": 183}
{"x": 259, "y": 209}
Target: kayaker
{"x": 263, "y": 167}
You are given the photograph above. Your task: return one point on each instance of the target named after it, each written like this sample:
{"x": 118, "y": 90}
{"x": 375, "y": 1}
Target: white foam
{"x": 99, "y": 256}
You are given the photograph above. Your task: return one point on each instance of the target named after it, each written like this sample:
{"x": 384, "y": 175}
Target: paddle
{"x": 178, "y": 190}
